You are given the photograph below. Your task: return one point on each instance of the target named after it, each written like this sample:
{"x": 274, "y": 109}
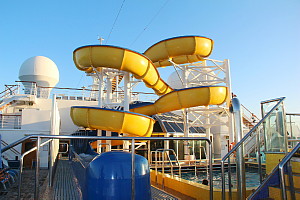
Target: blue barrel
{"x": 108, "y": 177}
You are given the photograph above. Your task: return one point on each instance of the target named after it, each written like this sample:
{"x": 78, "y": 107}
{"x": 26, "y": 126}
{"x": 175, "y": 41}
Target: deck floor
{"x": 65, "y": 185}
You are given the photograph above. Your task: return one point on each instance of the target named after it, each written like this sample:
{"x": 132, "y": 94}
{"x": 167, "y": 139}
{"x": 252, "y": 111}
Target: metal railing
{"x": 10, "y": 121}
{"x": 21, "y": 165}
{"x": 10, "y": 90}
{"x": 284, "y": 164}
{"x": 160, "y": 155}
{"x": 293, "y": 128}
{"x": 250, "y": 117}
{"x": 13, "y": 150}
{"x": 132, "y": 139}
{"x": 236, "y": 153}
{"x": 66, "y": 93}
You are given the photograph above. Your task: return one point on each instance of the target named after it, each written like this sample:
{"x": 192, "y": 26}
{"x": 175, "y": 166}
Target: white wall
{"x": 36, "y": 120}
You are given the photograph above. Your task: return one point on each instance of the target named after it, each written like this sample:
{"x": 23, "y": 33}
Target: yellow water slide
{"x": 112, "y": 120}
{"x": 184, "y": 49}
{"x": 185, "y": 98}
{"x": 180, "y": 50}
{"x": 88, "y": 58}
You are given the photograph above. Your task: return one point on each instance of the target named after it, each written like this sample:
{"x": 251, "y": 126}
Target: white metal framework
{"x": 215, "y": 119}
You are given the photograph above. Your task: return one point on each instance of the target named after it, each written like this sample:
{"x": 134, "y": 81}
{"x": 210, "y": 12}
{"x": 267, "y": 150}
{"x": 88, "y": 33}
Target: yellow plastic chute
{"x": 112, "y": 120}
{"x": 88, "y": 58}
{"x": 185, "y": 98}
{"x": 180, "y": 50}
{"x": 184, "y": 49}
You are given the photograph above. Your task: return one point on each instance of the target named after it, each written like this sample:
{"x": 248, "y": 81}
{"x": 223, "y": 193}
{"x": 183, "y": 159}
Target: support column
{"x": 100, "y": 102}
{"x": 127, "y": 98}
{"x": 207, "y": 130}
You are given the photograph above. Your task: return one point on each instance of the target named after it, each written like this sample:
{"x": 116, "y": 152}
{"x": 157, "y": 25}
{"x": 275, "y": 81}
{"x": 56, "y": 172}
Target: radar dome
{"x": 195, "y": 78}
{"x": 41, "y": 70}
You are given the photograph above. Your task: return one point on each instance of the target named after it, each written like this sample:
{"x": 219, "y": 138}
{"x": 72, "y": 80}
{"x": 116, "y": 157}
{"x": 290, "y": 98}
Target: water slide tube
{"x": 184, "y": 49}
{"x": 89, "y": 58}
{"x": 185, "y": 98}
{"x": 112, "y": 120}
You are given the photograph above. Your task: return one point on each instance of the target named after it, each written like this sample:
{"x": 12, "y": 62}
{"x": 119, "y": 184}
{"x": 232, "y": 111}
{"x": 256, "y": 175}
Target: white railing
{"x": 8, "y": 121}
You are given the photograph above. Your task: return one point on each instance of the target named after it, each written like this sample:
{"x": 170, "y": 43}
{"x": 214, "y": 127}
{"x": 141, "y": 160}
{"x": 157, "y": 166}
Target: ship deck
{"x": 65, "y": 185}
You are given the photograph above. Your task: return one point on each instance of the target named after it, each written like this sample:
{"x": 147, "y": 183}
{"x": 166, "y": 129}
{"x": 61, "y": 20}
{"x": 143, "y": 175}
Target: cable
{"x": 150, "y": 22}
{"x": 79, "y": 80}
{"x": 115, "y": 22}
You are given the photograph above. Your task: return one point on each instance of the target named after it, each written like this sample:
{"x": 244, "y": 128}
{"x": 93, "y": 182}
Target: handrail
{"x": 39, "y": 137}
{"x": 263, "y": 184}
{"x": 21, "y": 164}
{"x": 296, "y": 114}
{"x": 280, "y": 168}
{"x": 8, "y": 90}
{"x": 15, "y": 151}
{"x": 17, "y": 142}
{"x": 281, "y": 165}
{"x": 163, "y": 151}
{"x": 272, "y": 100}
{"x": 251, "y": 131}
{"x": 249, "y": 134}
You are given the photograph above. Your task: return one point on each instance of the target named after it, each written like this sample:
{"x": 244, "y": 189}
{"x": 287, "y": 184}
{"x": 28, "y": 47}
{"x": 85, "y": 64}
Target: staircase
{"x": 283, "y": 182}
{"x": 114, "y": 82}
{"x": 269, "y": 137}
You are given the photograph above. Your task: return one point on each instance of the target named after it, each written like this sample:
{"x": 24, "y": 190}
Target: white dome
{"x": 41, "y": 70}
{"x": 206, "y": 78}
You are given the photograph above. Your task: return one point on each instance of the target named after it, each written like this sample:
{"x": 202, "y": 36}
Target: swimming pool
{"x": 252, "y": 178}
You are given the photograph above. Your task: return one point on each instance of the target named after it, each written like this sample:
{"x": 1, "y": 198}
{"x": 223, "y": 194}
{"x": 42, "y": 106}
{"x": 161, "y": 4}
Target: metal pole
{"x": 100, "y": 86}
{"x": 53, "y": 125}
{"x": 21, "y": 166}
{"x": 20, "y": 178}
{"x": 127, "y": 98}
{"x": 229, "y": 179}
{"x": 132, "y": 170}
{"x": 291, "y": 181}
{"x": 50, "y": 164}
{"x": 186, "y": 134}
{"x": 211, "y": 186}
{"x": 240, "y": 168}
{"x": 148, "y": 152}
{"x": 37, "y": 168}
{"x": 282, "y": 183}
{"x": 259, "y": 156}
{"x": 284, "y": 128}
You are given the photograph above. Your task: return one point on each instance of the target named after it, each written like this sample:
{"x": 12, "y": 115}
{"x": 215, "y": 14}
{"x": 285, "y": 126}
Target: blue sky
{"x": 261, "y": 38}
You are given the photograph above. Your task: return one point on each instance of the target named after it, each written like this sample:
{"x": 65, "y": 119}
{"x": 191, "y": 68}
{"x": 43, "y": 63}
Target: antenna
{"x": 100, "y": 39}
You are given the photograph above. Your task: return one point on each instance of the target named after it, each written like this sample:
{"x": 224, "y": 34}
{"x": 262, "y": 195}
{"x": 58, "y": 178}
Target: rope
{"x": 157, "y": 13}
{"x": 115, "y": 22}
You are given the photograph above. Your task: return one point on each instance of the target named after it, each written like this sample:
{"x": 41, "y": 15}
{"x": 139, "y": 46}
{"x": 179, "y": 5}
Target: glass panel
{"x": 175, "y": 127}
{"x": 168, "y": 127}
{"x": 157, "y": 128}
{"x": 274, "y": 127}
{"x": 293, "y": 128}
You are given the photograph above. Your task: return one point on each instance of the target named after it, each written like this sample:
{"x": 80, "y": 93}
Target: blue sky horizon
{"x": 260, "y": 38}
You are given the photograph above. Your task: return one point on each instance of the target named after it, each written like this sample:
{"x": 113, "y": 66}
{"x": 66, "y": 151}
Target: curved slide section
{"x": 112, "y": 120}
{"x": 184, "y": 49}
{"x": 181, "y": 50}
{"x": 140, "y": 66}
{"x": 185, "y": 98}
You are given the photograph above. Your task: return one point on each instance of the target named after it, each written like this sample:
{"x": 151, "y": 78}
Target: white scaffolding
{"x": 215, "y": 119}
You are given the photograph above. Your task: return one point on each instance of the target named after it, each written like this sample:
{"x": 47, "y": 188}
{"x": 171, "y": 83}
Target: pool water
{"x": 252, "y": 178}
